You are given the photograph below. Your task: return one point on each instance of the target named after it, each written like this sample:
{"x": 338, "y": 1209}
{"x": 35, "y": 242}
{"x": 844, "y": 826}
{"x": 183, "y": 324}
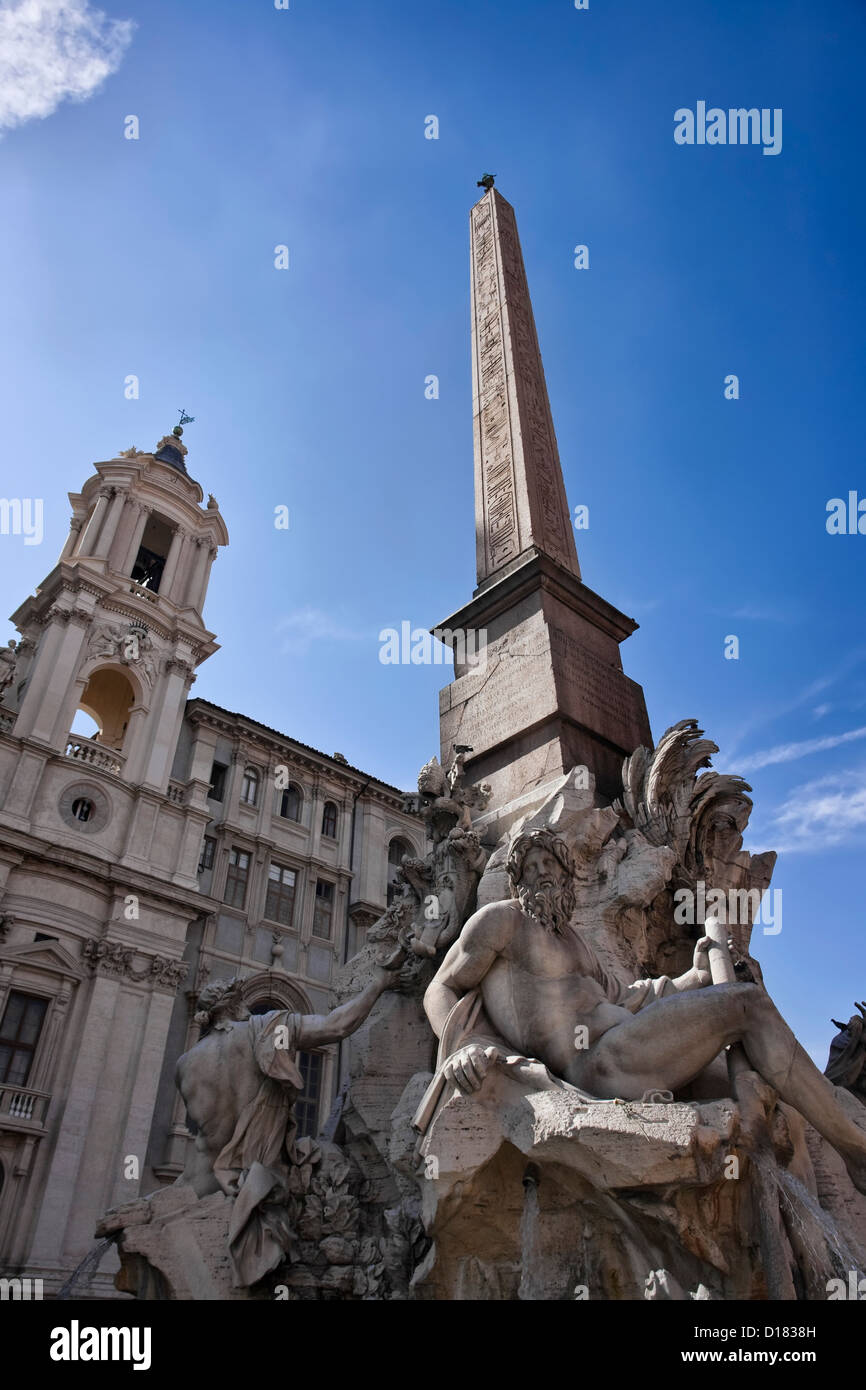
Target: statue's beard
{"x": 551, "y": 904}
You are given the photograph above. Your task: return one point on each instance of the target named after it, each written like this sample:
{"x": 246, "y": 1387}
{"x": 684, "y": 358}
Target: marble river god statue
{"x": 240, "y": 1083}
{"x": 520, "y": 979}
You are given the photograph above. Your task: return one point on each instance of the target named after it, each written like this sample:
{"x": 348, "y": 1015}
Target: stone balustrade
{"x": 23, "y": 1106}
{"x": 87, "y": 750}
{"x": 141, "y": 592}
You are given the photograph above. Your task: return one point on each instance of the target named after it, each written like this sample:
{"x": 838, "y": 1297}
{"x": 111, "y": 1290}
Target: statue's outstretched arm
{"x": 318, "y": 1030}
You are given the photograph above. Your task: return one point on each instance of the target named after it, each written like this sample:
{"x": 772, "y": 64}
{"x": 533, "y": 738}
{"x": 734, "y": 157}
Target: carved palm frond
{"x": 658, "y": 786}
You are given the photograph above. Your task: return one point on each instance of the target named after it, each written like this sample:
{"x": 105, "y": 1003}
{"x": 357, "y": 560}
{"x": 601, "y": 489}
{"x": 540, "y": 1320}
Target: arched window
{"x": 152, "y": 553}
{"x": 103, "y": 711}
{"x": 250, "y": 787}
{"x": 291, "y": 802}
{"x": 396, "y": 850}
{"x": 265, "y": 1006}
{"x": 329, "y": 820}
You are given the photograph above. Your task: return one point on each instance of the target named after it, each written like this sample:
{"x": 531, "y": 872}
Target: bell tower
{"x": 103, "y": 808}
{"x": 115, "y": 631}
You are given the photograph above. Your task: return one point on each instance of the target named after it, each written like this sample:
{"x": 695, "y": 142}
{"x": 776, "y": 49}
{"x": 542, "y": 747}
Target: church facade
{"x": 179, "y": 844}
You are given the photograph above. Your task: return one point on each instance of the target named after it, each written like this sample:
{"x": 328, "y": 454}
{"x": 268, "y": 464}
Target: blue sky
{"x": 305, "y": 127}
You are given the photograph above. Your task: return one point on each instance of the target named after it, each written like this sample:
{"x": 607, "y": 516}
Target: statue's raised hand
{"x": 396, "y": 970}
{"x": 468, "y": 1067}
{"x": 701, "y": 961}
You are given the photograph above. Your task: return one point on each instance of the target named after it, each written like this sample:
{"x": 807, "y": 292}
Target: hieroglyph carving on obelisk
{"x": 519, "y": 493}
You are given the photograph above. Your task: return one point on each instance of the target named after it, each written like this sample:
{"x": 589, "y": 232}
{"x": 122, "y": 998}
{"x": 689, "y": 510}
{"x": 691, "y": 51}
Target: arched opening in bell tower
{"x": 152, "y": 553}
{"x": 106, "y": 700}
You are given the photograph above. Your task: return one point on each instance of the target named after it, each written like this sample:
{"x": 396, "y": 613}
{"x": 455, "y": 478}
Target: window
{"x": 323, "y": 910}
{"x": 307, "y": 1104}
{"x": 396, "y": 850}
{"x": 208, "y": 848}
{"x": 236, "y": 879}
{"x": 329, "y": 820}
{"x": 152, "y": 553}
{"x": 265, "y": 1006}
{"x": 280, "y": 901}
{"x": 290, "y": 803}
{"x": 19, "y": 1034}
{"x": 82, "y": 809}
{"x": 217, "y": 789}
{"x": 250, "y": 787}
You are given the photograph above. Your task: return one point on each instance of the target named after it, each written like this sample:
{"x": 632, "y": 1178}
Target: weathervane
{"x": 184, "y": 420}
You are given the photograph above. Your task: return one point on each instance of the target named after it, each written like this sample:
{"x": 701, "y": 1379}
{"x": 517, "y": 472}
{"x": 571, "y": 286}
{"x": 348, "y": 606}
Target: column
{"x": 165, "y": 723}
{"x": 175, "y": 552}
{"x": 62, "y": 1178}
{"x": 184, "y": 573}
{"x": 75, "y": 525}
{"x": 88, "y": 540}
{"x": 148, "y": 1054}
{"x": 317, "y": 801}
{"x": 194, "y": 571}
{"x": 118, "y": 503}
{"x": 199, "y": 581}
{"x": 137, "y": 534}
{"x": 56, "y": 663}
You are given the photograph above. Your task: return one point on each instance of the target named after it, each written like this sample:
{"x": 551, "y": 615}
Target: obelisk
{"x": 549, "y": 693}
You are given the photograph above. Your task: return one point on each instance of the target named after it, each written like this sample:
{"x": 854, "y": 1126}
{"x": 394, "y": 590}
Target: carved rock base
{"x": 538, "y": 1196}
{"x": 173, "y": 1245}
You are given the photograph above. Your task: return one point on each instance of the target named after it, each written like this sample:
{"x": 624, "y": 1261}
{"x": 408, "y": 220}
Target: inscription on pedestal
{"x": 531, "y": 675}
{"x": 597, "y": 695}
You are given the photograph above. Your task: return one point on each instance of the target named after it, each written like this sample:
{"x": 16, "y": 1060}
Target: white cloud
{"x": 309, "y": 625}
{"x": 54, "y": 50}
{"x": 755, "y": 613}
{"x": 811, "y": 692}
{"x": 790, "y": 752}
{"x": 821, "y": 814}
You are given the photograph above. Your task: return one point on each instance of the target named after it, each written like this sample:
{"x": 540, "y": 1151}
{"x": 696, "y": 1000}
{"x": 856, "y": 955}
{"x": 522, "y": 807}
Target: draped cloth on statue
{"x": 253, "y": 1167}
{"x": 468, "y": 1024}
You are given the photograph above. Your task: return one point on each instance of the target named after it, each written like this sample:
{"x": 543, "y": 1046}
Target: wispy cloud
{"x": 790, "y": 752}
{"x": 821, "y": 814}
{"x": 754, "y": 613}
{"x": 810, "y": 692}
{"x": 52, "y": 51}
{"x": 640, "y": 605}
{"x": 308, "y": 625}
{"x": 820, "y": 710}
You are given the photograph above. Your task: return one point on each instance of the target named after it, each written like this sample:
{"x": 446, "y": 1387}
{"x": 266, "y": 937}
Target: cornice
{"x": 234, "y": 728}
{"x": 117, "y": 959}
